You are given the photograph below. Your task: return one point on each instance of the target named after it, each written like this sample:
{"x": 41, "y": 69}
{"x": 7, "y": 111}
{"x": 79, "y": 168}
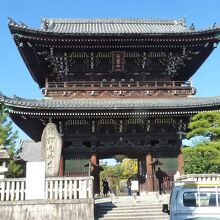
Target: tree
{"x": 204, "y": 157}
{"x": 129, "y": 168}
{"x": 8, "y": 140}
{"x": 121, "y": 171}
{"x": 206, "y": 124}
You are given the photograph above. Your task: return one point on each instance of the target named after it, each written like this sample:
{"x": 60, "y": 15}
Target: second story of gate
{"x": 114, "y": 58}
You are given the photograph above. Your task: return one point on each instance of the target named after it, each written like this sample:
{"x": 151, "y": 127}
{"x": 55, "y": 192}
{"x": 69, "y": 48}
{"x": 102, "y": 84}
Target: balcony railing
{"x": 116, "y": 85}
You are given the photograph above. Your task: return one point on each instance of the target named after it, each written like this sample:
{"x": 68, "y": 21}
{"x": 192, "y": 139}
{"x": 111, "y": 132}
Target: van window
{"x": 204, "y": 199}
{"x": 189, "y": 199}
{"x": 212, "y": 200}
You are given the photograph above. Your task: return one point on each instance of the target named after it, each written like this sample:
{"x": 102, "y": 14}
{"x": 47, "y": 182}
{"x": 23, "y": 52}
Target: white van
{"x": 195, "y": 197}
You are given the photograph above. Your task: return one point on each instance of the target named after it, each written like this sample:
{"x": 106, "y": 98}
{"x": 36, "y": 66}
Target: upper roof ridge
{"x": 115, "y": 21}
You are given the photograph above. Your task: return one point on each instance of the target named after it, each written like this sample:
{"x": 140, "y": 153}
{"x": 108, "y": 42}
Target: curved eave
{"x": 93, "y": 104}
{"x": 27, "y": 56}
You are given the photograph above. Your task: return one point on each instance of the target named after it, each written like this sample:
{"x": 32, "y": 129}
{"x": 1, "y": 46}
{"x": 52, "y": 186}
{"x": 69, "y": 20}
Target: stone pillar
{"x": 180, "y": 162}
{"x": 61, "y": 170}
{"x": 51, "y": 146}
{"x": 150, "y": 179}
{"x": 94, "y": 172}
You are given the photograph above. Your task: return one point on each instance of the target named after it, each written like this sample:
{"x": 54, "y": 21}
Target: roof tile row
{"x": 93, "y": 103}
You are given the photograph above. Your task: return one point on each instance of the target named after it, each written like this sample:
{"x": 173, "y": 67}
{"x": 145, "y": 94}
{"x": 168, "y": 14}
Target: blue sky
{"x": 14, "y": 76}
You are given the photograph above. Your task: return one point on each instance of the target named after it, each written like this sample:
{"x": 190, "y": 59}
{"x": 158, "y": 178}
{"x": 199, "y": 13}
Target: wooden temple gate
{"x": 111, "y": 87}
{"x": 100, "y": 138}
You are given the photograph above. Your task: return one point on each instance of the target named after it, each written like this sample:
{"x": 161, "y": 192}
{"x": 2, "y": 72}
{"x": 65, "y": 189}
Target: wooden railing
{"x": 122, "y": 85}
{"x": 69, "y": 188}
{"x": 55, "y": 188}
{"x": 12, "y": 189}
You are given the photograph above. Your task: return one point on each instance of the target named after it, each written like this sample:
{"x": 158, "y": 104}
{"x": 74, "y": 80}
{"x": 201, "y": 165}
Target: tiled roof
{"x": 30, "y": 151}
{"x": 112, "y": 26}
{"x": 104, "y": 104}
{"x": 107, "y": 26}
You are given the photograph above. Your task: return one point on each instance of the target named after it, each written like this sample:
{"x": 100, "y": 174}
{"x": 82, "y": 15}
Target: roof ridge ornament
{"x": 1, "y": 96}
{"x": 15, "y": 97}
{"x": 214, "y": 25}
{"x": 183, "y": 21}
{"x": 11, "y": 21}
{"x": 192, "y": 27}
{"x": 47, "y": 24}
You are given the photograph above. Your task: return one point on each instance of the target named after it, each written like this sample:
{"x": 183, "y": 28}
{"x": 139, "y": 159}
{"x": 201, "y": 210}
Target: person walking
{"x": 105, "y": 187}
{"x": 160, "y": 176}
{"x": 129, "y": 186}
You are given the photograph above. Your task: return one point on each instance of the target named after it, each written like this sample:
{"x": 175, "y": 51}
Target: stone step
{"x": 125, "y": 208}
{"x": 158, "y": 210}
{"x": 131, "y": 209}
{"x": 135, "y": 218}
{"x": 136, "y": 215}
{"x": 128, "y": 207}
{"x": 131, "y": 213}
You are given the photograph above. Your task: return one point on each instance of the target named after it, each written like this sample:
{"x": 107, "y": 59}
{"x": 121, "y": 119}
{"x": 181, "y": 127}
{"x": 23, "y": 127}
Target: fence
{"x": 69, "y": 188}
{"x": 12, "y": 189}
{"x": 55, "y": 188}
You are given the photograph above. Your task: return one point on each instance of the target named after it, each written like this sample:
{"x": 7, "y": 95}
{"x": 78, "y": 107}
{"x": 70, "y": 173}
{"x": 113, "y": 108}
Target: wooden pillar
{"x": 150, "y": 179}
{"x": 142, "y": 176}
{"x": 94, "y": 173}
{"x": 180, "y": 162}
{"x": 61, "y": 169}
{"x": 93, "y": 163}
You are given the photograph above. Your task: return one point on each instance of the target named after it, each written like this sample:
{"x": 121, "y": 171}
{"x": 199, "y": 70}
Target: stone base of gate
{"x": 79, "y": 209}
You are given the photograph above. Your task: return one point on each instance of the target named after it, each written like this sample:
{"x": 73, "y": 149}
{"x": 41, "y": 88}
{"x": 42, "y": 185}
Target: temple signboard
{"x": 117, "y": 61}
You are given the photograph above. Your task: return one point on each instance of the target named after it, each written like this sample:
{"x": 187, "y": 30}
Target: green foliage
{"x": 203, "y": 158}
{"x": 14, "y": 169}
{"x": 8, "y": 140}
{"x": 121, "y": 171}
{"x": 129, "y": 168}
{"x": 7, "y": 137}
{"x": 205, "y": 124}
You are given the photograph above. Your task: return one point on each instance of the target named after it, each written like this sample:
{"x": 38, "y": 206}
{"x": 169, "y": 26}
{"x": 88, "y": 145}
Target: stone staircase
{"x": 130, "y": 208}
